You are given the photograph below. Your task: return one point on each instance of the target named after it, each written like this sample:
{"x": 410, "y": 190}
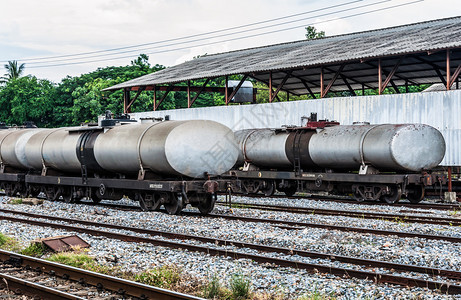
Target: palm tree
{"x": 13, "y": 70}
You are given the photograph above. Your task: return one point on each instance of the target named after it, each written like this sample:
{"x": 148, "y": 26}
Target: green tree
{"x": 312, "y": 33}
{"x": 13, "y": 71}
{"x": 27, "y": 99}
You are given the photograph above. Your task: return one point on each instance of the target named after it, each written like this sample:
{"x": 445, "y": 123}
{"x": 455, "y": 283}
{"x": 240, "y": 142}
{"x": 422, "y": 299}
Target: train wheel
{"x": 206, "y": 206}
{"x": 393, "y": 196}
{"x": 11, "y": 189}
{"x": 290, "y": 191}
{"x": 269, "y": 188}
{"x": 67, "y": 195}
{"x": 52, "y": 193}
{"x": 415, "y": 194}
{"x": 149, "y": 202}
{"x": 175, "y": 204}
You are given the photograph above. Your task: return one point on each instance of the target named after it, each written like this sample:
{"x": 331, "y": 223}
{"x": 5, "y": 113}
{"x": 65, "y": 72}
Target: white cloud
{"x": 56, "y": 27}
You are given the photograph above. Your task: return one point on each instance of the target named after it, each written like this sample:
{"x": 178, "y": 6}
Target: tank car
{"x": 169, "y": 163}
{"x": 383, "y": 161}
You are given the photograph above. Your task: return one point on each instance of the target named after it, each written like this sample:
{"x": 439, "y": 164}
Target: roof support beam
{"x": 325, "y": 91}
{"x": 308, "y": 88}
{"x": 199, "y": 92}
{"x": 350, "y": 79}
{"x": 280, "y": 86}
{"x": 455, "y": 76}
{"x": 170, "y": 88}
{"x": 237, "y": 87}
{"x": 396, "y": 88}
{"x": 134, "y": 99}
{"x": 389, "y": 77}
{"x": 395, "y": 75}
{"x": 351, "y": 90}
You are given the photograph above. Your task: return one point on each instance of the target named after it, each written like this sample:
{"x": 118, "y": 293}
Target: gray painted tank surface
{"x": 13, "y": 150}
{"x": 408, "y": 147}
{"x": 262, "y": 147}
{"x": 188, "y": 148}
{"x": 56, "y": 148}
{"x": 411, "y": 147}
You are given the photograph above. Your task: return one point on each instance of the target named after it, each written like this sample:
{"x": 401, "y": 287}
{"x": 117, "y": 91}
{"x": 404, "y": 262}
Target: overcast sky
{"x": 47, "y": 28}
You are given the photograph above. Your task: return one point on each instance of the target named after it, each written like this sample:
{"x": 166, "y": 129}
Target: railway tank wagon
{"x": 372, "y": 162}
{"x": 170, "y": 163}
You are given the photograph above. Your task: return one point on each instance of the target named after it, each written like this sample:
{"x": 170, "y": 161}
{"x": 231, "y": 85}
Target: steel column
{"x": 380, "y": 77}
{"x": 155, "y": 97}
{"x": 270, "y": 86}
{"x": 321, "y": 82}
{"x": 226, "y": 90}
{"x": 126, "y": 100}
{"x": 448, "y": 70}
{"x": 450, "y": 189}
{"x": 188, "y": 94}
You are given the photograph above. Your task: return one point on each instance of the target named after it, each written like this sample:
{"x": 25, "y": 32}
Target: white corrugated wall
{"x": 439, "y": 109}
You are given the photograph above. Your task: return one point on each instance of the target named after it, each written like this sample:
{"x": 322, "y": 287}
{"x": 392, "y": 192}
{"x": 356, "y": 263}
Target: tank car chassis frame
{"x": 174, "y": 194}
{"x": 386, "y": 187}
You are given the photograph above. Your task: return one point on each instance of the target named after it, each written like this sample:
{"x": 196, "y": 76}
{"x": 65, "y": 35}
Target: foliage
{"x": 214, "y": 289}
{"x": 8, "y": 243}
{"x": 34, "y": 249}
{"x": 312, "y": 33}
{"x": 78, "y": 260}
{"x": 13, "y": 71}
{"x": 240, "y": 286}
{"x": 27, "y": 99}
{"x": 164, "y": 277}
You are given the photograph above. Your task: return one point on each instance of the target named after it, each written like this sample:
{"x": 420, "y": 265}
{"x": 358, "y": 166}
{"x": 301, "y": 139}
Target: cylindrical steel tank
{"x": 188, "y": 148}
{"x": 55, "y": 148}
{"x": 185, "y": 148}
{"x": 13, "y": 147}
{"x": 263, "y": 147}
{"x": 409, "y": 147}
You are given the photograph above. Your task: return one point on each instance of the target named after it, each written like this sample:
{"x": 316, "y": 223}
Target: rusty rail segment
{"x": 122, "y": 286}
{"x": 376, "y": 277}
{"x": 28, "y": 288}
{"x": 356, "y": 214}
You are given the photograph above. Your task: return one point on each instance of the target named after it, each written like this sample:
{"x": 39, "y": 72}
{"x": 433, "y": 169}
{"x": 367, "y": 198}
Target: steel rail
{"x": 300, "y": 225}
{"x": 347, "y": 201}
{"x": 32, "y": 289}
{"x": 355, "y": 214}
{"x": 122, "y": 286}
{"x": 289, "y": 251}
{"x": 377, "y": 277}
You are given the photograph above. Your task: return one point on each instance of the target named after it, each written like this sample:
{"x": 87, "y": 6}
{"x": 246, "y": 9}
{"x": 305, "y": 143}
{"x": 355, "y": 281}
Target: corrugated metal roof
{"x": 413, "y": 38}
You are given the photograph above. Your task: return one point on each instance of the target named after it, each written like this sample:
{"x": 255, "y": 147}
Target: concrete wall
{"x": 441, "y": 110}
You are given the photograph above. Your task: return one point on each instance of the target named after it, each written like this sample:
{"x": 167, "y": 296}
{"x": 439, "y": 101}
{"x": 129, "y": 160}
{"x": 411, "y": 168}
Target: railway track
{"x": 439, "y": 206}
{"x": 347, "y": 213}
{"x": 50, "y": 280}
{"x": 221, "y": 247}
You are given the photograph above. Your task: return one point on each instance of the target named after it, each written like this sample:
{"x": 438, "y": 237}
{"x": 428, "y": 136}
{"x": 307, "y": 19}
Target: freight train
{"x": 159, "y": 163}
{"x": 175, "y": 163}
{"x": 371, "y": 162}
